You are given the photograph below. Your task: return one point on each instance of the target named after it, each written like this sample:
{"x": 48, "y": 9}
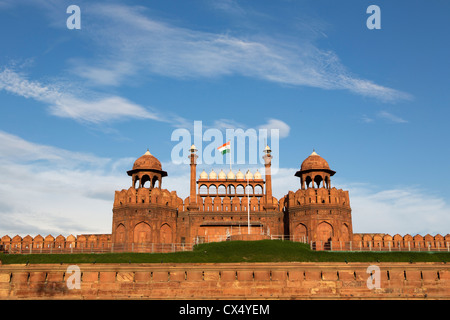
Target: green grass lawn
{"x": 233, "y": 251}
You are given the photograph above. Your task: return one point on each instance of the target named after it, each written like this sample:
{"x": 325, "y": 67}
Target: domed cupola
{"x": 240, "y": 175}
{"x": 315, "y": 170}
{"x": 212, "y": 175}
{"x": 147, "y": 168}
{"x": 147, "y": 162}
{"x": 257, "y": 175}
{"x": 203, "y": 175}
{"x": 222, "y": 175}
{"x": 314, "y": 162}
{"x": 230, "y": 175}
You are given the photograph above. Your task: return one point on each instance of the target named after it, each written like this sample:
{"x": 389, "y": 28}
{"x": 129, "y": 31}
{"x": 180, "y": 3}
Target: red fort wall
{"x": 227, "y": 281}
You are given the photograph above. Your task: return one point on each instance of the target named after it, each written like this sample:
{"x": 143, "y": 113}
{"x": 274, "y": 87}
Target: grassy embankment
{"x": 234, "y": 251}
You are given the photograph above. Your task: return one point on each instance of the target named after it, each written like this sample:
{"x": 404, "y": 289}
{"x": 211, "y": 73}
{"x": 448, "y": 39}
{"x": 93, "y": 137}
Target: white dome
{"x": 222, "y": 175}
{"x": 230, "y": 175}
{"x": 239, "y": 175}
{"x": 203, "y": 175}
{"x": 257, "y": 175}
{"x": 212, "y": 175}
{"x": 249, "y": 175}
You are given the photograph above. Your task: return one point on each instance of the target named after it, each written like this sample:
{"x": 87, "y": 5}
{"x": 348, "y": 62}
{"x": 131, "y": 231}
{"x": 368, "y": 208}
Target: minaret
{"x": 268, "y": 175}
{"x": 193, "y": 188}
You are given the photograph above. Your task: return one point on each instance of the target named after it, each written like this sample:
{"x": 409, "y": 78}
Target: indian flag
{"x": 225, "y": 148}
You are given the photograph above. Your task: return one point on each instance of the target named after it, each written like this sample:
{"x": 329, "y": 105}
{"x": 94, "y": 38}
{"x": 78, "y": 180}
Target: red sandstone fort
{"x": 226, "y": 206}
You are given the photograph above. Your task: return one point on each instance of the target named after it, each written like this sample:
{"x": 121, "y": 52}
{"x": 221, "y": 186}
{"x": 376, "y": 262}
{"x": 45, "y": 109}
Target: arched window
{"x": 221, "y": 189}
{"x": 258, "y": 189}
{"x": 240, "y": 189}
{"x": 203, "y": 189}
{"x": 308, "y": 180}
{"x": 318, "y": 180}
{"x": 146, "y": 182}
{"x": 155, "y": 182}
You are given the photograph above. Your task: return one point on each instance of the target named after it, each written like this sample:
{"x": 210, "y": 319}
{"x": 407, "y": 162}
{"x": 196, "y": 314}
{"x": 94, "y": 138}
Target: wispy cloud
{"x": 403, "y": 210}
{"x": 16, "y": 149}
{"x": 271, "y": 124}
{"x": 366, "y": 119}
{"x": 391, "y": 117}
{"x": 62, "y": 103}
{"x": 130, "y": 37}
{"x": 276, "y": 124}
{"x": 385, "y": 116}
{"x": 228, "y": 6}
{"x": 46, "y": 189}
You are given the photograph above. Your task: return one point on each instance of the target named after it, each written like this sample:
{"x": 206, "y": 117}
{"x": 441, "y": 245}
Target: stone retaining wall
{"x": 226, "y": 281}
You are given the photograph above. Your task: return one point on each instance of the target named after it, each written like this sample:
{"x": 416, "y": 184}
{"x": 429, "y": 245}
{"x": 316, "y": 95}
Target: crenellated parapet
{"x": 382, "y": 241}
{"x": 146, "y": 196}
{"x": 29, "y": 244}
{"x": 313, "y": 196}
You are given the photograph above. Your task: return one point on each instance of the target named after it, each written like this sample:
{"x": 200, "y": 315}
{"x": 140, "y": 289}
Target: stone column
{"x": 193, "y": 191}
{"x": 268, "y": 176}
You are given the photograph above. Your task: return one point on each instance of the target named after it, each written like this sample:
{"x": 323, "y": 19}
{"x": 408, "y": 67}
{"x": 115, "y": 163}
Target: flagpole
{"x": 230, "y": 154}
{"x": 248, "y": 205}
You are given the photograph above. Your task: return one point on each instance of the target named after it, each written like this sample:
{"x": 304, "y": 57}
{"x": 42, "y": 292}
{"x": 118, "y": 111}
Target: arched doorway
{"x": 301, "y": 233}
{"x": 324, "y": 234}
{"x": 120, "y": 234}
{"x": 345, "y": 234}
{"x": 142, "y": 233}
{"x": 165, "y": 234}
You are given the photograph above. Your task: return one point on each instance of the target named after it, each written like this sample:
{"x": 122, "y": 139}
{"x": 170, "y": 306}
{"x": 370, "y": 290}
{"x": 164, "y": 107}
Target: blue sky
{"x": 79, "y": 106}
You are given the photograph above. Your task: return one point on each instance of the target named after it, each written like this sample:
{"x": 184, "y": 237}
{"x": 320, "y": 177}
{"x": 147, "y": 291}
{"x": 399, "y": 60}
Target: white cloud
{"x": 366, "y": 119}
{"x": 100, "y": 110}
{"x": 228, "y": 6}
{"x": 272, "y": 124}
{"x": 389, "y": 116}
{"x": 105, "y": 75}
{"x": 403, "y": 210}
{"x": 223, "y": 124}
{"x": 129, "y": 36}
{"x": 275, "y": 124}
{"x": 49, "y": 190}
{"x": 13, "y": 149}
{"x": 64, "y": 104}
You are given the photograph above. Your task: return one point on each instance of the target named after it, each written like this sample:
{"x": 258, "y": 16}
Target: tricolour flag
{"x": 226, "y": 148}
